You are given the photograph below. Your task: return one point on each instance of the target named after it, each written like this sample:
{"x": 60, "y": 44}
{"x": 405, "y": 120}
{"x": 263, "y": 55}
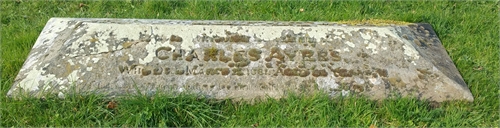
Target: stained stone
{"x": 239, "y": 59}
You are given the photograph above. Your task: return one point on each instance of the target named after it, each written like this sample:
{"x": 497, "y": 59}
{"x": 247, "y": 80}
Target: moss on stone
{"x": 396, "y": 81}
{"x": 230, "y": 64}
{"x": 318, "y": 73}
{"x": 223, "y": 58}
{"x": 242, "y": 63}
{"x": 335, "y": 55}
{"x": 176, "y": 56}
{"x": 238, "y": 39}
{"x": 218, "y": 39}
{"x": 174, "y": 38}
{"x": 358, "y": 88}
{"x": 289, "y": 72}
{"x": 382, "y": 72}
{"x": 237, "y": 57}
{"x": 275, "y": 53}
{"x": 304, "y": 73}
{"x": 254, "y": 54}
{"x": 269, "y": 65}
{"x": 363, "y": 55}
{"x": 210, "y": 54}
{"x": 189, "y": 58}
{"x": 376, "y": 22}
{"x": 179, "y": 72}
{"x": 225, "y": 71}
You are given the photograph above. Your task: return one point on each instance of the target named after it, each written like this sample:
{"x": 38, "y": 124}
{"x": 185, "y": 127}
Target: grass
{"x": 469, "y": 30}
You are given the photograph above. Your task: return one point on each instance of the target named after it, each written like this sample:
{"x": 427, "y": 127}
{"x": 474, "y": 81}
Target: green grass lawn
{"x": 469, "y": 30}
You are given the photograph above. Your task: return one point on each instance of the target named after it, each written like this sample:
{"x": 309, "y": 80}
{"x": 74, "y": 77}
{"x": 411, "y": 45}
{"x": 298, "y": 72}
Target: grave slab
{"x": 239, "y": 59}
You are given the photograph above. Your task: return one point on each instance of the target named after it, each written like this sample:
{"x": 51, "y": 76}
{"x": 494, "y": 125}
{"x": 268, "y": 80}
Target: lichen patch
{"x": 411, "y": 52}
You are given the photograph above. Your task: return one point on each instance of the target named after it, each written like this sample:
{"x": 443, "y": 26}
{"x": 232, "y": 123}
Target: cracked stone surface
{"x": 238, "y": 59}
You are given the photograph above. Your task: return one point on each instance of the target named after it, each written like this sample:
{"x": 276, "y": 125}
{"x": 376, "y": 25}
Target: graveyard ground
{"x": 469, "y": 30}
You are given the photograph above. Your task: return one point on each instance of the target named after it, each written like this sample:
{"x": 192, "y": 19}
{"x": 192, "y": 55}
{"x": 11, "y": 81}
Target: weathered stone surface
{"x": 239, "y": 59}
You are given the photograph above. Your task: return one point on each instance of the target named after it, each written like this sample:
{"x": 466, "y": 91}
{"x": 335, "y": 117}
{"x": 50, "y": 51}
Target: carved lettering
{"x": 223, "y": 57}
{"x": 145, "y": 71}
{"x": 276, "y": 53}
{"x": 290, "y": 54}
{"x": 137, "y": 70}
{"x": 322, "y": 55}
{"x": 254, "y": 54}
{"x": 194, "y": 71}
{"x": 166, "y": 71}
{"x": 335, "y": 55}
{"x": 238, "y": 71}
{"x": 179, "y": 72}
{"x": 123, "y": 68}
{"x": 157, "y": 71}
{"x": 210, "y": 54}
{"x": 161, "y": 53}
{"x": 240, "y": 59}
{"x": 177, "y": 55}
{"x": 192, "y": 56}
{"x": 307, "y": 55}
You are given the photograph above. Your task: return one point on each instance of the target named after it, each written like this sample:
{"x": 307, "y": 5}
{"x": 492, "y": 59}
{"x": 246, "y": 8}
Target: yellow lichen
{"x": 210, "y": 54}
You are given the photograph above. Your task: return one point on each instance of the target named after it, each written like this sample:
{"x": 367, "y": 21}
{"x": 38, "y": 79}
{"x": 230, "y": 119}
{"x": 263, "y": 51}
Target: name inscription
{"x": 274, "y": 63}
{"x": 236, "y": 64}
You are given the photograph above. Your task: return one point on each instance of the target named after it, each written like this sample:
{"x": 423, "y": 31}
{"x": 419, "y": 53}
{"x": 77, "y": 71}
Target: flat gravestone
{"x": 239, "y": 59}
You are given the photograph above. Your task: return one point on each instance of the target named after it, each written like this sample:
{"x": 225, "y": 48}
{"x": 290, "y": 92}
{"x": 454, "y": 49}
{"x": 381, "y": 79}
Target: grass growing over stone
{"x": 469, "y": 30}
